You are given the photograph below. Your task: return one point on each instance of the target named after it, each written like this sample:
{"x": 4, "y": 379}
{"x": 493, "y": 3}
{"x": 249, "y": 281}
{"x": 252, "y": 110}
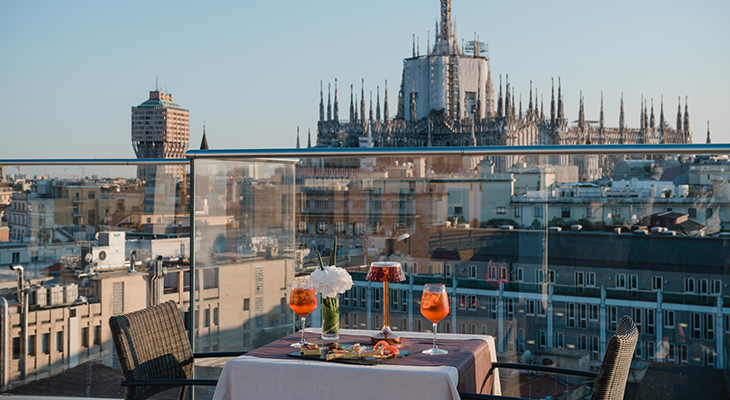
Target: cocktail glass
{"x": 434, "y": 306}
{"x": 303, "y": 301}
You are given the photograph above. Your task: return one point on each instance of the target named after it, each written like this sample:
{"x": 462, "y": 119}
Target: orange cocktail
{"x": 303, "y": 301}
{"x": 434, "y": 306}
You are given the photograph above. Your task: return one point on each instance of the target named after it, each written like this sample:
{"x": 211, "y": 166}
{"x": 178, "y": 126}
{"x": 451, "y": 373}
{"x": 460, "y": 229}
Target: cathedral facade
{"x": 447, "y": 98}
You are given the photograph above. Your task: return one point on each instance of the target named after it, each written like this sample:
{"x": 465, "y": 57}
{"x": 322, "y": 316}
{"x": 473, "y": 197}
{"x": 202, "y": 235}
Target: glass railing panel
{"x": 544, "y": 252}
{"x": 244, "y": 258}
{"x": 93, "y": 242}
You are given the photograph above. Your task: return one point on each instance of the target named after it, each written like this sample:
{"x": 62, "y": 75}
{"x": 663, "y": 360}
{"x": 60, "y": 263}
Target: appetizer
{"x": 310, "y": 349}
{"x": 381, "y": 350}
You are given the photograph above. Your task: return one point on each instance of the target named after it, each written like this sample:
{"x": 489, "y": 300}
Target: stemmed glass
{"x": 434, "y": 306}
{"x": 303, "y": 300}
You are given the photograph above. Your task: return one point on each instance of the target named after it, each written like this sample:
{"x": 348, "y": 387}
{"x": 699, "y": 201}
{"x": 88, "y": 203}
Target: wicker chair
{"x": 155, "y": 353}
{"x": 610, "y": 381}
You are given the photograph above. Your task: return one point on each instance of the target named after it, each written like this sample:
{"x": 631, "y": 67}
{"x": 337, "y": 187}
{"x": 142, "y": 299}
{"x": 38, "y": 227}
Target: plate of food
{"x": 352, "y": 353}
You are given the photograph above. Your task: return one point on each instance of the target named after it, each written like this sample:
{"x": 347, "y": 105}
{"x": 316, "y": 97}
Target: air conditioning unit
{"x": 70, "y": 293}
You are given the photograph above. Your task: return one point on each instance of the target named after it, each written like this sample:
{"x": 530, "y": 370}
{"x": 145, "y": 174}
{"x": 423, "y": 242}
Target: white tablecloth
{"x": 248, "y": 377}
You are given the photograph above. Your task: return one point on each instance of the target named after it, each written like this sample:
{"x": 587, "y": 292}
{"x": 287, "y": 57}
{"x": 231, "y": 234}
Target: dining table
{"x": 269, "y": 372}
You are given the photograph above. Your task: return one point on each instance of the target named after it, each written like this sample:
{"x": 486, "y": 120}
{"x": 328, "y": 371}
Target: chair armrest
{"x": 172, "y": 382}
{"x": 220, "y": 354}
{"x": 547, "y": 370}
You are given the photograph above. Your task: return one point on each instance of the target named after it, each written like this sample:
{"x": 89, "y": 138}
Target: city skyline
{"x": 253, "y": 81}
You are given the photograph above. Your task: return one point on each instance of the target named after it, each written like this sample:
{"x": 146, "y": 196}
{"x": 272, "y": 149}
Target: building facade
{"x": 447, "y": 98}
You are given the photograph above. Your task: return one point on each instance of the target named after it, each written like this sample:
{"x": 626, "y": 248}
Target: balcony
{"x": 447, "y": 215}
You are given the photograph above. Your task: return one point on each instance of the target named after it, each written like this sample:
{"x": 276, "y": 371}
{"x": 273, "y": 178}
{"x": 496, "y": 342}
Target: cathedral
{"x": 447, "y": 98}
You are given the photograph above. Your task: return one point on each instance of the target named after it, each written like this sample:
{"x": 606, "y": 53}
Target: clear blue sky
{"x": 71, "y": 71}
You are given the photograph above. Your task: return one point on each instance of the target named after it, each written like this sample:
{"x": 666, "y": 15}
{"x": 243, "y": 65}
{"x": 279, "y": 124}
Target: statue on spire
{"x": 708, "y": 133}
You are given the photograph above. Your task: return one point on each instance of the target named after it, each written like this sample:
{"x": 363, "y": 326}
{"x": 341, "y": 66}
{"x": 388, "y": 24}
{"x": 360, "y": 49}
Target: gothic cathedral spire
{"x": 552, "y": 106}
{"x": 386, "y": 111}
{"x": 336, "y": 110}
{"x": 329, "y": 102}
{"x": 321, "y": 102}
{"x": 362, "y": 101}
{"x": 377, "y": 110}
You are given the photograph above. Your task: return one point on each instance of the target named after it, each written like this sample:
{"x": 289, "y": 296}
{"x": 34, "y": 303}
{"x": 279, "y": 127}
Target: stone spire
{"x": 500, "y": 112}
{"x": 321, "y": 102}
{"x": 642, "y": 120}
{"x": 371, "y": 106}
{"x": 377, "y": 110}
{"x": 621, "y": 114}
{"x": 297, "y": 136}
{"x": 679, "y": 115}
{"x": 646, "y": 117}
{"x": 329, "y": 102}
{"x": 686, "y": 120}
{"x": 542, "y": 109}
{"x": 356, "y": 116}
{"x": 414, "y": 114}
{"x": 352, "y": 106}
{"x": 552, "y": 106}
{"x": 661, "y": 115}
{"x": 652, "y": 125}
{"x": 561, "y": 111}
{"x": 478, "y": 115}
{"x": 521, "y": 104}
{"x": 507, "y": 103}
{"x": 581, "y": 113}
{"x": 445, "y": 40}
{"x": 414, "y": 45}
{"x": 601, "y": 122}
{"x": 336, "y": 111}
{"x": 529, "y": 107}
{"x": 513, "y": 103}
{"x": 362, "y": 101}
{"x": 386, "y": 113}
{"x": 490, "y": 91}
{"x": 309, "y": 138}
{"x": 708, "y": 133}
{"x": 204, "y": 142}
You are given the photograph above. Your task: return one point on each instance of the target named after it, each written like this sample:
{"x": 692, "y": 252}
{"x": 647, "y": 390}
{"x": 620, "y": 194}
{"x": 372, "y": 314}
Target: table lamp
{"x": 386, "y": 272}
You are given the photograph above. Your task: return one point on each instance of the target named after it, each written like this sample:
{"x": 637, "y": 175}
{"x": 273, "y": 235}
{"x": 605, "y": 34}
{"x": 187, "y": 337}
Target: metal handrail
{"x": 94, "y": 161}
{"x": 714, "y": 148}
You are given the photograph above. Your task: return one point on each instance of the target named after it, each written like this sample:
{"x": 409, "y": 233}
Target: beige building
{"x": 160, "y": 129}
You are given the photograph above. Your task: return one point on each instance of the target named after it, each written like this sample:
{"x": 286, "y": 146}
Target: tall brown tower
{"x": 160, "y": 129}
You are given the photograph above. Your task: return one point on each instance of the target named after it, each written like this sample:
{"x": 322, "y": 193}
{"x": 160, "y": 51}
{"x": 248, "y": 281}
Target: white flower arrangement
{"x": 330, "y": 281}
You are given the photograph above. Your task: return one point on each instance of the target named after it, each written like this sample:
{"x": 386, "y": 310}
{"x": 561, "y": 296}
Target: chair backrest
{"x": 151, "y": 344}
{"x": 611, "y": 381}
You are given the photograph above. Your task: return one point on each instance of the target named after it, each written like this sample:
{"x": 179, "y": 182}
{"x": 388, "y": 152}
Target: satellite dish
{"x": 102, "y": 255}
{"x": 526, "y": 356}
{"x": 88, "y": 257}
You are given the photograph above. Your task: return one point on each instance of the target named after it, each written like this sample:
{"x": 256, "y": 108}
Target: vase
{"x": 331, "y": 318}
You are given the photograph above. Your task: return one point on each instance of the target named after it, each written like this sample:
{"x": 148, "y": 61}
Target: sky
{"x": 71, "y": 71}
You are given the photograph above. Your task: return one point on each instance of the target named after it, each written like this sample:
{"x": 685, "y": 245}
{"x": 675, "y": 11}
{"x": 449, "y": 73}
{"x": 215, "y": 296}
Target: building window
{"x": 46, "y": 343}
{"x": 559, "y": 340}
{"x": 582, "y": 342}
{"x": 210, "y": 278}
{"x": 493, "y": 308}
{"x": 541, "y": 310}
{"x": 538, "y": 212}
{"x": 616, "y": 213}
{"x": 565, "y": 212}
{"x": 16, "y": 348}
{"x": 501, "y": 210}
{"x": 591, "y": 279}
{"x": 472, "y": 272}
{"x": 656, "y": 283}
{"x": 696, "y": 326}
{"x": 709, "y": 357}
{"x": 620, "y": 281}
{"x": 59, "y": 342}
{"x": 689, "y": 285}
{"x": 519, "y": 275}
{"x": 589, "y": 213}
{"x": 541, "y": 342}
{"x": 97, "y": 335}
{"x": 539, "y": 276}
{"x": 85, "y": 337}
{"x": 716, "y": 286}
{"x": 447, "y": 269}
{"x": 650, "y": 350}
{"x": 669, "y": 318}
{"x": 377, "y": 293}
{"x": 672, "y": 354}
{"x": 570, "y": 315}
{"x": 634, "y": 282}
{"x": 583, "y": 315}
{"x": 612, "y": 318}
{"x": 520, "y": 338}
{"x": 593, "y": 316}
{"x": 579, "y": 279}
{"x": 551, "y": 276}
{"x": 650, "y": 321}
{"x": 321, "y": 227}
{"x": 692, "y": 212}
{"x": 683, "y": 354}
{"x": 206, "y": 318}
{"x": 708, "y": 213}
{"x": 530, "y": 307}
{"x": 31, "y": 345}
{"x": 518, "y": 212}
{"x": 16, "y": 258}
{"x": 510, "y": 308}
{"x": 709, "y": 327}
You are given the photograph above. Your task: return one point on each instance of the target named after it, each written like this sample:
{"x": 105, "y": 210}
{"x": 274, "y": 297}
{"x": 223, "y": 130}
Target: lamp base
{"x": 386, "y": 334}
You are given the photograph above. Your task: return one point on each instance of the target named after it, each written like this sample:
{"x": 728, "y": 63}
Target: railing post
{"x": 191, "y": 311}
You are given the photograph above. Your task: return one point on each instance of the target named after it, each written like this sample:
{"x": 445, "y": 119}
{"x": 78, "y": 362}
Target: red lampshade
{"x": 386, "y": 272}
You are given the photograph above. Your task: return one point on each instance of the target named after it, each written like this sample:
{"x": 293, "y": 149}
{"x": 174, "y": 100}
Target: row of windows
{"x": 90, "y": 336}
